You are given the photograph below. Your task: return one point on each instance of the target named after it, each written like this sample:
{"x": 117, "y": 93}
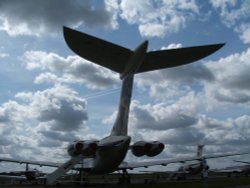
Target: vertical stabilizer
{"x": 120, "y": 127}
{"x": 27, "y": 167}
{"x": 200, "y": 151}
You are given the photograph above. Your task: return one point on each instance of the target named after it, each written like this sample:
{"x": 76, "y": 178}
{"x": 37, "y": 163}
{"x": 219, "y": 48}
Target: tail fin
{"x": 200, "y": 151}
{"x": 128, "y": 63}
{"x": 27, "y": 167}
{"x": 120, "y": 127}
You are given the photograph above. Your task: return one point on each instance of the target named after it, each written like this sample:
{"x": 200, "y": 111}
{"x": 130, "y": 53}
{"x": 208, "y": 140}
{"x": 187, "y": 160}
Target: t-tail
{"x": 128, "y": 62}
{"x": 120, "y": 127}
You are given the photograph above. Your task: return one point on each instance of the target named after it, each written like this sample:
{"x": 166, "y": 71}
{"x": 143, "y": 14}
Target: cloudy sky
{"x": 50, "y": 96}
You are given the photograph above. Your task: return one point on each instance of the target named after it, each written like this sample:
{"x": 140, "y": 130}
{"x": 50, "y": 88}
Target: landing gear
{"x": 83, "y": 177}
{"x": 125, "y": 179}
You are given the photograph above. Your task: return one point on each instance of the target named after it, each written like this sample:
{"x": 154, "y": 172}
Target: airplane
{"x": 235, "y": 170}
{"x": 107, "y": 155}
{"x": 29, "y": 175}
{"x": 200, "y": 167}
{"x": 195, "y": 167}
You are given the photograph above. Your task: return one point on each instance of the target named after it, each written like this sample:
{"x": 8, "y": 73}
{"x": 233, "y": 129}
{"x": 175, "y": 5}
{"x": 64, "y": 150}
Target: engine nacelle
{"x": 150, "y": 149}
{"x": 156, "y": 148}
{"x": 86, "y": 148}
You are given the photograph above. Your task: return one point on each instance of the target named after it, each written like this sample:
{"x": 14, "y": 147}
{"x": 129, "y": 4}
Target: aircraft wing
{"x": 40, "y": 163}
{"x": 146, "y": 164}
{"x": 116, "y": 57}
{"x": 222, "y": 155}
{"x": 228, "y": 169}
{"x": 13, "y": 177}
{"x": 241, "y": 162}
{"x": 126, "y": 165}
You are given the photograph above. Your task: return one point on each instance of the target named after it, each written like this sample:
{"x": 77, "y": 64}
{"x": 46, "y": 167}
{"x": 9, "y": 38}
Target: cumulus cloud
{"x": 29, "y": 17}
{"x": 57, "y": 115}
{"x": 60, "y": 107}
{"x": 186, "y": 136}
{"x": 160, "y": 116}
{"x": 218, "y": 136}
{"x": 231, "y": 79}
{"x": 40, "y": 120}
{"x": 71, "y": 69}
{"x": 244, "y": 30}
{"x": 235, "y": 14}
{"x": 3, "y": 55}
{"x": 172, "y": 46}
{"x": 224, "y": 81}
{"x": 170, "y": 16}
{"x": 174, "y": 82}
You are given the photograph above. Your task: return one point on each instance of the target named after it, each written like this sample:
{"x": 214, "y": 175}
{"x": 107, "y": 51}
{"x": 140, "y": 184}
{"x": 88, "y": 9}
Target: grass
{"x": 211, "y": 183}
{"x": 221, "y": 182}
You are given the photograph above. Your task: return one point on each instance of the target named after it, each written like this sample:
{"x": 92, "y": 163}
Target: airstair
{"x": 51, "y": 179}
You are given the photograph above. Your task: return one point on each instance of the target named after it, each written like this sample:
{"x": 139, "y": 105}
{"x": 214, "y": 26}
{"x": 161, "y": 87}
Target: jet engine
{"x": 150, "y": 149}
{"x": 86, "y": 148}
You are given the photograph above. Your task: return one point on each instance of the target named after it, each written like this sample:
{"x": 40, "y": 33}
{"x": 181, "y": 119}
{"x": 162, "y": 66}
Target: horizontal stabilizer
{"x": 96, "y": 50}
{"x": 116, "y": 57}
{"x": 175, "y": 57}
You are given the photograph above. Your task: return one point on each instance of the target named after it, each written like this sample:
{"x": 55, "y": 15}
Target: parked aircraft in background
{"x": 29, "y": 175}
{"x": 195, "y": 167}
{"x": 235, "y": 170}
{"x": 199, "y": 167}
{"x": 107, "y": 155}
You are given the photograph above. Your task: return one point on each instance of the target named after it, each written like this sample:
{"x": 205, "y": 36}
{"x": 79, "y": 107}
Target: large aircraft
{"x": 107, "y": 155}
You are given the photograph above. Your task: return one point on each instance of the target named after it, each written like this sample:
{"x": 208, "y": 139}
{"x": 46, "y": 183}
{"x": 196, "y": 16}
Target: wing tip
{"x": 220, "y": 45}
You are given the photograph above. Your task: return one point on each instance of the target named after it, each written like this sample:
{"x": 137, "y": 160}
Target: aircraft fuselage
{"x": 111, "y": 152}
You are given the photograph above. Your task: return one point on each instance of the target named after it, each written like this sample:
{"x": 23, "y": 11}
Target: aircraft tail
{"x": 115, "y": 57}
{"x": 200, "y": 151}
{"x": 120, "y": 127}
{"x": 27, "y": 167}
{"x": 128, "y": 62}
